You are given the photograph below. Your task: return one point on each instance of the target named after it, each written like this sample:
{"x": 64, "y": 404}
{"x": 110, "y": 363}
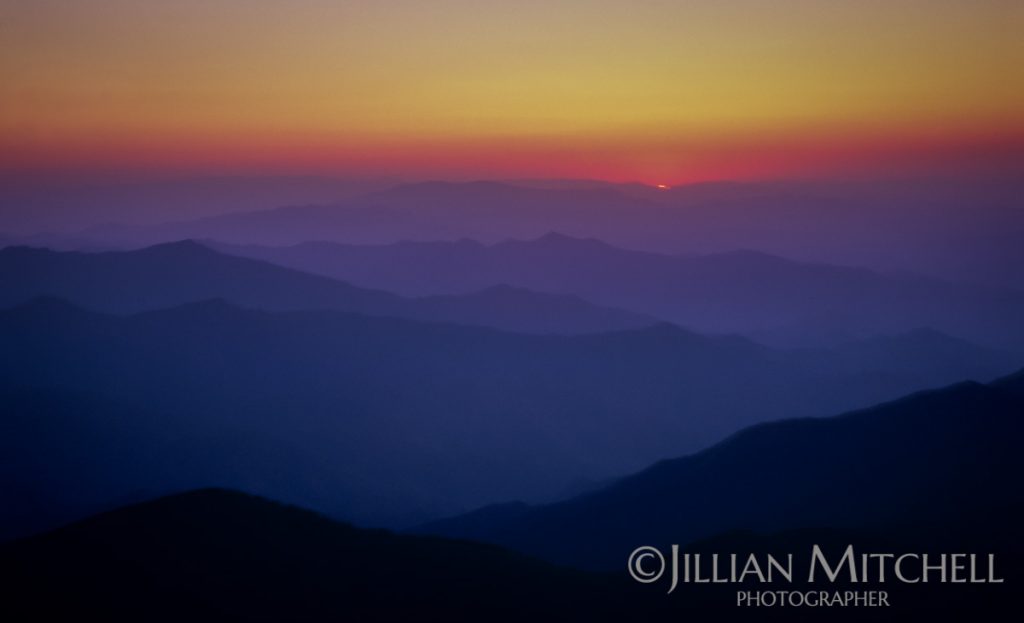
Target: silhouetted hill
{"x": 945, "y": 460}
{"x": 183, "y": 272}
{"x": 216, "y": 555}
{"x": 767, "y": 297}
{"x": 387, "y": 420}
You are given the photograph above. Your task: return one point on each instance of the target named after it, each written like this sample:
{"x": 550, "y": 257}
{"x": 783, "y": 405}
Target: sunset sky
{"x": 660, "y": 92}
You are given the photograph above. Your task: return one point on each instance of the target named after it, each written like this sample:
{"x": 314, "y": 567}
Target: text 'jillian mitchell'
{"x": 648, "y": 565}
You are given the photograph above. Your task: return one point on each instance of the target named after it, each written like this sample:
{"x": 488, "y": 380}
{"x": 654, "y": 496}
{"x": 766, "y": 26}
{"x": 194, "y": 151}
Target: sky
{"x": 659, "y": 92}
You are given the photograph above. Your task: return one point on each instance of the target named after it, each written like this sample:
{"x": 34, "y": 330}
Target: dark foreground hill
{"x": 948, "y": 461}
{"x": 217, "y": 555}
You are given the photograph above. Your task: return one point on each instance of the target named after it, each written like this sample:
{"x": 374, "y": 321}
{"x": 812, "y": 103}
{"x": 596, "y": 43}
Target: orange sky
{"x": 654, "y": 91}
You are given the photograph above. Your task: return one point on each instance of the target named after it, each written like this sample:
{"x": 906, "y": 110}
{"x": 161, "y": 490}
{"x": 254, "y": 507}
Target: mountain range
{"x": 958, "y": 229}
{"x": 390, "y": 421}
{"x": 185, "y": 272}
{"x": 767, "y": 297}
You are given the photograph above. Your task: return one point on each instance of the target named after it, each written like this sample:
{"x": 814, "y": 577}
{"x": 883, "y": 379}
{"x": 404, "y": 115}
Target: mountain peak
{"x": 504, "y": 289}
{"x": 21, "y": 250}
{"x": 554, "y": 239}
{"x": 188, "y": 245}
{"x": 444, "y": 187}
{"x": 752, "y": 255}
{"x": 215, "y": 306}
{"x": 554, "y": 236}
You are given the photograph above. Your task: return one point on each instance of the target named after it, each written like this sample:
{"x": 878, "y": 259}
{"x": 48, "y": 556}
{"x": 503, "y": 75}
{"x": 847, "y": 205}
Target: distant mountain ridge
{"x": 764, "y": 296}
{"x": 186, "y": 271}
{"x": 965, "y": 230}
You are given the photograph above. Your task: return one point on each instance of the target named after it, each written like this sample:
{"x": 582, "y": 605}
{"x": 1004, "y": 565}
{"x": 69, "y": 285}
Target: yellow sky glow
{"x": 662, "y": 82}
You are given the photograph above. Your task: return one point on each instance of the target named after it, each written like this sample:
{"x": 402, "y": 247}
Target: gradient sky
{"x": 654, "y": 91}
